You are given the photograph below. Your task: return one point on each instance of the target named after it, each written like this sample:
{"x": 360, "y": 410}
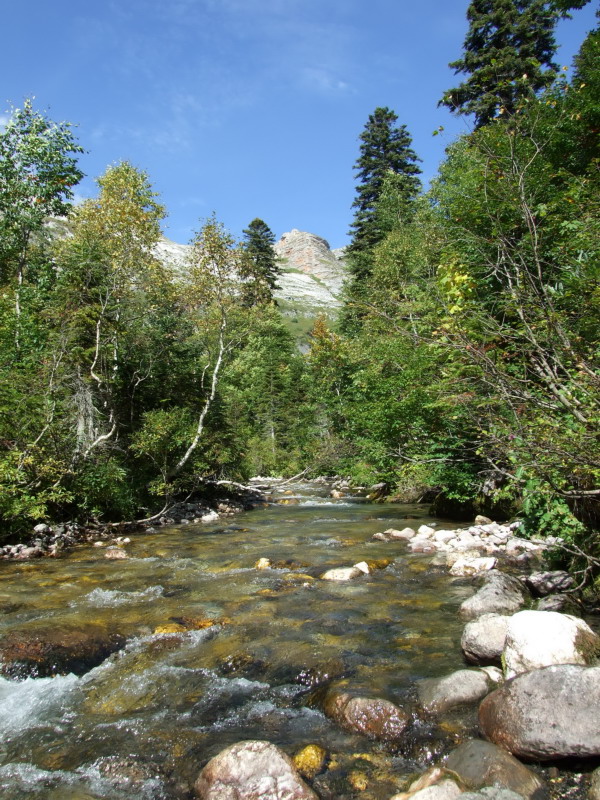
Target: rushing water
{"x": 145, "y": 721}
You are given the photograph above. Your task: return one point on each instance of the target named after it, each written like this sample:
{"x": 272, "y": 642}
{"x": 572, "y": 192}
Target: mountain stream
{"x": 219, "y": 651}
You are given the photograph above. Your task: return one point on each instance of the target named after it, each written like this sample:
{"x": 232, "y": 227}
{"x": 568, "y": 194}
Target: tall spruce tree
{"x": 385, "y": 148}
{"x": 508, "y": 52}
{"x": 259, "y": 266}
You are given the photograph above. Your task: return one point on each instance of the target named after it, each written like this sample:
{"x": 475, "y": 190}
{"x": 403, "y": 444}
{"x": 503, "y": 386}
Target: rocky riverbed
{"x": 320, "y": 647}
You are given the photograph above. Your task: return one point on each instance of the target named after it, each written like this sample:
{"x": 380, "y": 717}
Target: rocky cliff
{"x": 312, "y": 273}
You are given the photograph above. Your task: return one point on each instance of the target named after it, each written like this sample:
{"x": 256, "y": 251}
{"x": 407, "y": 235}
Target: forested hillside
{"x": 466, "y": 365}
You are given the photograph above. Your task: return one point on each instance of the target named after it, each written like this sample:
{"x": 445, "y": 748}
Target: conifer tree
{"x": 385, "y": 148}
{"x": 259, "y": 267}
{"x": 508, "y": 52}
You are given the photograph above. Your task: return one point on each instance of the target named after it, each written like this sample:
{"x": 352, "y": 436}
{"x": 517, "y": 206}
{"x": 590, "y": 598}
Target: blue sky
{"x": 248, "y": 108}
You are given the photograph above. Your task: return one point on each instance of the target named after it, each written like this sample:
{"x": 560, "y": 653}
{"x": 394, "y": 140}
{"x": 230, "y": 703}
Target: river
{"x": 219, "y": 651}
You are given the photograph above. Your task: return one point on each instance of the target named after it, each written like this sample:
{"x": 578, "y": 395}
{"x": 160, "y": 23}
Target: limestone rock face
{"x": 536, "y": 639}
{"x": 546, "y": 713}
{"x": 312, "y": 274}
{"x": 253, "y": 770}
{"x": 310, "y": 254}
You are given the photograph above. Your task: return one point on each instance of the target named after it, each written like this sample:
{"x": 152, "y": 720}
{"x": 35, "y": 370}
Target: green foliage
{"x": 507, "y": 47}
{"x": 544, "y": 514}
{"x": 385, "y": 151}
{"x": 38, "y": 170}
{"x": 259, "y": 268}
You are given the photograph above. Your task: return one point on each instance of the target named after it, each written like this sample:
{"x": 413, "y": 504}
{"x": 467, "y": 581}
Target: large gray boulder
{"x": 372, "y": 716}
{"x": 536, "y": 639}
{"x": 478, "y": 764}
{"x": 546, "y": 714}
{"x": 544, "y": 583}
{"x": 483, "y": 639}
{"x": 252, "y": 770}
{"x": 437, "y": 695}
{"x": 500, "y": 594}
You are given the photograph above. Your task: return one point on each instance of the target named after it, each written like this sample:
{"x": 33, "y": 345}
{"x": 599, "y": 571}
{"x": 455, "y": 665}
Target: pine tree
{"x": 385, "y": 148}
{"x": 259, "y": 266}
{"x": 508, "y": 52}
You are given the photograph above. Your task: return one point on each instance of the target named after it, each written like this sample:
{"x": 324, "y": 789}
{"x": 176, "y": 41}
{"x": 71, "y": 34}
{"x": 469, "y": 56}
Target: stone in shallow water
{"x": 546, "y": 713}
{"x": 371, "y": 716}
{"x": 252, "y": 770}
{"x": 342, "y": 574}
{"x": 478, "y": 764}
{"x": 42, "y": 653}
{"x": 465, "y": 686}
{"x": 536, "y": 639}
{"x": 500, "y": 594}
{"x": 544, "y": 583}
{"x": 483, "y": 639}
{"x": 405, "y": 533}
{"x": 310, "y": 760}
{"x": 472, "y": 566}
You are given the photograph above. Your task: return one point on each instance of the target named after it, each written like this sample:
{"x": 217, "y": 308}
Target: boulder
{"x": 342, "y": 574}
{"x": 594, "y": 792}
{"x": 376, "y": 718}
{"x": 546, "y": 713}
{"x": 252, "y": 770}
{"x": 41, "y": 653}
{"x": 405, "y": 533}
{"x": 543, "y": 583}
{"x": 483, "y": 639}
{"x": 437, "y": 695}
{"x": 500, "y": 594}
{"x": 537, "y": 639}
{"x": 558, "y": 602}
{"x": 478, "y": 764}
{"x": 466, "y": 566}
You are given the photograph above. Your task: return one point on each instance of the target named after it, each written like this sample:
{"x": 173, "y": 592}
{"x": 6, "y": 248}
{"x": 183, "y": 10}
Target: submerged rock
{"x": 41, "y": 653}
{"x": 310, "y": 760}
{"x": 537, "y": 639}
{"x": 252, "y": 770}
{"x": 371, "y": 716}
{"x": 546, "y": 713}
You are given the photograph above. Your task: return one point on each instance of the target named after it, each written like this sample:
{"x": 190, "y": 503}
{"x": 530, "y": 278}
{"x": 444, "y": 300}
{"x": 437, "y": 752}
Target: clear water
{"x": 144, "y": 722}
